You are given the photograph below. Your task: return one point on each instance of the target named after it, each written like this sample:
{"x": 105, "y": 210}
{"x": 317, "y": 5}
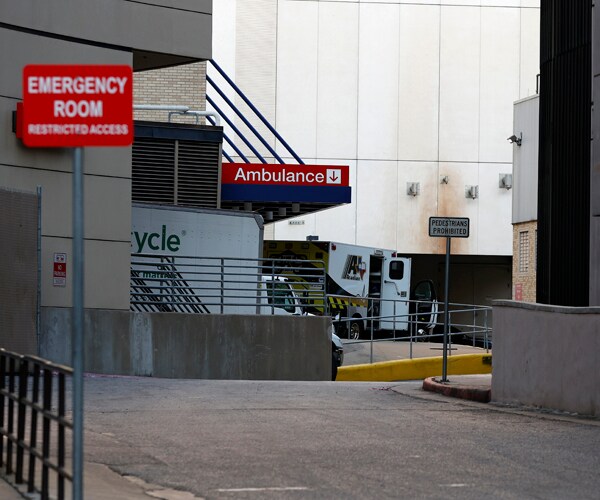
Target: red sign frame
{"x": 69, "y": 105}
{"x": 285, "y": 175}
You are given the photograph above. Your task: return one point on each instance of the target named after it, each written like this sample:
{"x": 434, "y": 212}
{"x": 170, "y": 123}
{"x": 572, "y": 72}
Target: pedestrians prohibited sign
{"x": 68, "y": 105}
{"x": 449, "y": 227}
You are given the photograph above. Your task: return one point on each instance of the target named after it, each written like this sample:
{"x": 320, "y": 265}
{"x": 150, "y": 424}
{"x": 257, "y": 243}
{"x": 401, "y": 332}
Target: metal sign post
{"x": 447, "y": 227}
{"x": 77, "y": 331}
{"x": 446, "y": 312}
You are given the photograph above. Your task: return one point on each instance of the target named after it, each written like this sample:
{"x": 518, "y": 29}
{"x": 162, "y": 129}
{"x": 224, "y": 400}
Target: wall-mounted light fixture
{"x": 505, "y": 181}
{"x": 413, "y": 188}
{"x": 268, "y": 215}
{"x": 513, "y": 139}
{"x": 472, "y": 192}
{"x": 282, "y": 211}
{"x": 296, "y": 208}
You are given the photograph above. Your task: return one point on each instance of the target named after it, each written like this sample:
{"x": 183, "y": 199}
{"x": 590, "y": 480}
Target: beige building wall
{"x": 152, "y": 34}
{"x": 183, "y": 85}
{"x": 107, "y": 181}
{"x": 524, "y": 261}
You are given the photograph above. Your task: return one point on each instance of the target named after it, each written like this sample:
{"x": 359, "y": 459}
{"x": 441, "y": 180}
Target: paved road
{"x": 251, "y": 440}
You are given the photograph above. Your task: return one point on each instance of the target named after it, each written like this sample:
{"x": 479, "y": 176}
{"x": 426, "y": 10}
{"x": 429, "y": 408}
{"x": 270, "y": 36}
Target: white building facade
{"x": 407, "y": 93}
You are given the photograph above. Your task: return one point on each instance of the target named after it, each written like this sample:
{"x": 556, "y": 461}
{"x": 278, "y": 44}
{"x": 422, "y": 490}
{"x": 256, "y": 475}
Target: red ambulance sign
{"x": 77, "y": 105}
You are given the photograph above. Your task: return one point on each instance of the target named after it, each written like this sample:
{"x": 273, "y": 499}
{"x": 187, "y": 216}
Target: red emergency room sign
{"x": 77, "y": 105}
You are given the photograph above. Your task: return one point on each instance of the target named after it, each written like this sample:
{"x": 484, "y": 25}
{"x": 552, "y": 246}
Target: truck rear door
{"x": 395, "y": 288}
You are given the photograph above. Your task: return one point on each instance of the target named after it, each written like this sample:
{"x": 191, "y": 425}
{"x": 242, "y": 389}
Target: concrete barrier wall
{"x": 247, "y": 347}
{"x": 547, "y": 356}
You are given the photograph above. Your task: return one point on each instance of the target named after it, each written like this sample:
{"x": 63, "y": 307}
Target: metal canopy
{"x": 278, "y": 211}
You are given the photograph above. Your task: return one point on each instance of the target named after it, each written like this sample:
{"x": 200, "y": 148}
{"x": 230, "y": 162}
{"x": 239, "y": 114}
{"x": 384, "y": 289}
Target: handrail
{"x": 231, "y": 143}
{"x": 406, "y": 319}
{"x": 233, "y": 285}
{"x": 235, "y": 129}
{"x": 255, "y": 110}
{"x": 242, "y": 117}
{"x": 20, "y": 378}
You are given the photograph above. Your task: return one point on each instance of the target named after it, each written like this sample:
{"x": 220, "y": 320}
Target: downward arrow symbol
{"x": 334, "y": 176}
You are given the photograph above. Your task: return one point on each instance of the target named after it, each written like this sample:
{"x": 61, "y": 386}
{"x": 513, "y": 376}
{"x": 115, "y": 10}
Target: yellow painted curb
{"x": 416, "y": 369}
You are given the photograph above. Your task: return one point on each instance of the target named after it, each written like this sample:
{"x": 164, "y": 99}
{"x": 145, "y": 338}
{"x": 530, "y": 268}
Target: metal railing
{"x": 468, "y": 324}
{"x": 212, "y": 85}
{"x": 29, "y": 402}
{"x": 225, "y": 285}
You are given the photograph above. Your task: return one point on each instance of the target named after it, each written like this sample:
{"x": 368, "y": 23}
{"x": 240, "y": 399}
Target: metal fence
{"x": 33, "y": 424}
{"x": 423, "y": 322}
{"x": 220, "y": 285}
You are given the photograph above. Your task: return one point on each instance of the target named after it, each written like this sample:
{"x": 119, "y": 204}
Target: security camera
{"x": 514, "y": 139}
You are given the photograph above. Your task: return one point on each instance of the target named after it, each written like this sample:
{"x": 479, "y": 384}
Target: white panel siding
{"x": 494, "y": 235}
{"x": 418, "y": 89}
{"x": 459, "y": 84}
{"x": 414, "y": 211}
{"x": 499, "y": 85}
{"x": 376, "y": 196}
{"x": 378, "y": 81}
{"x": 530, "y": 51}
{"x": 225, "y": 32}
{"x": 452, "y": 202}
{"x": 339, "y": 224}
{"x": 256, "y": 67}
{"x": 338, "y": 80}
{"x": 297, "y": 42}
{"x": 525, "y": 160}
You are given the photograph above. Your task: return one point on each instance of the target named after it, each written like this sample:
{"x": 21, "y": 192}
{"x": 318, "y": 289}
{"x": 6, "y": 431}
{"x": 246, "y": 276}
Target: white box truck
{"x": 362, "y": 282}
{"x": 203, "y": 261}
{"x": 195, "y": 260}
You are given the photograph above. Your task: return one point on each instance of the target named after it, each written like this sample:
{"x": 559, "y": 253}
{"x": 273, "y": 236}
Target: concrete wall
{"x": 246, "y": 347}
{"x": 547, "y": 356}
{"x": 157, "y": 32}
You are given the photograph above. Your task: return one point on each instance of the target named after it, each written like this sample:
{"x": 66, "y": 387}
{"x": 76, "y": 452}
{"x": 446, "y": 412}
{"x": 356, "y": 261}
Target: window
{"x": 523, "y": 251}
{"x": 396, "y": 270}
{"x": 280, "y": 295}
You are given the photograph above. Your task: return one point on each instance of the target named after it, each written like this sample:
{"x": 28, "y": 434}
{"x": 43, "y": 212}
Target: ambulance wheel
{"x": 356, "y": 330}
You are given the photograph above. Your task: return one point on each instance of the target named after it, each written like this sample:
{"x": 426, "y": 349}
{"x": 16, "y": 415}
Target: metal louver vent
{"x": 153, "y": 171}
{"x": 198, "y": 174}
{"x": 169, "y": 168}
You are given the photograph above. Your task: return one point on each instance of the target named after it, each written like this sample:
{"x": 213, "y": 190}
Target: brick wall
{"x": 524, "y": 261}
{"x": 183, "y": 85}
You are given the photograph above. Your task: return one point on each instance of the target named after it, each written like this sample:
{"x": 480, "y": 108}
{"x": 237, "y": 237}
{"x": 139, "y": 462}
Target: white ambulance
{"x": 364, "y": 285}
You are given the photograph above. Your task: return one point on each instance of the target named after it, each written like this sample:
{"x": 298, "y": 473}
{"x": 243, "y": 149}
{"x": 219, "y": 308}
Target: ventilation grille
{"x": 174, "y": 172}
{"x": 153, "y": 171}
{"x": 198, "y": 175}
